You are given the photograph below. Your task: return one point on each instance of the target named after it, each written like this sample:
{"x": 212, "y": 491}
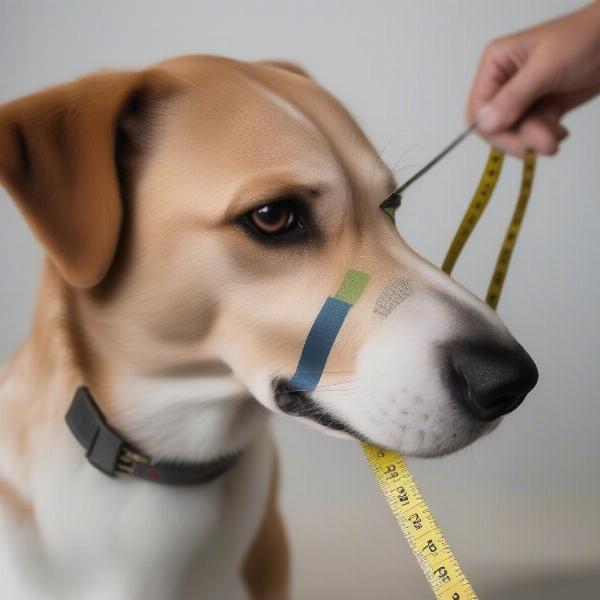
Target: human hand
{"x": 527, "y": 81}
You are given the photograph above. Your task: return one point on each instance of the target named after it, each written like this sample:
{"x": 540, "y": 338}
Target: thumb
{"x": 513, "y": 99}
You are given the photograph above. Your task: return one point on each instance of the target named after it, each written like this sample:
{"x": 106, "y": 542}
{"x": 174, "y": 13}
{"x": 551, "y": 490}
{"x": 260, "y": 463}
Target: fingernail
{"x": 489, "y": 119}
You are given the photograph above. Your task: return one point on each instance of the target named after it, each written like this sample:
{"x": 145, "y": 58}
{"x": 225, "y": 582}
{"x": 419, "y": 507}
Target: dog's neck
{"x": 194, "y": 416}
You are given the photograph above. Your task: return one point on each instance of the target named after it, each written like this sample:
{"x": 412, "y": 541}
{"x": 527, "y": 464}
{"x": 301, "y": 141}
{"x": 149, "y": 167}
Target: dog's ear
{"x": 58, "y": 161}
{"x": 286, "y": 66}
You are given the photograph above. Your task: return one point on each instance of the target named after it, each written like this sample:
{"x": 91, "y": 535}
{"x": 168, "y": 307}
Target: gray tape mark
{"x": 392, "y": 296}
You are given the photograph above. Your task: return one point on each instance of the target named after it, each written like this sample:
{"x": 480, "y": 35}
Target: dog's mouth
{"x": 298, "y": 403}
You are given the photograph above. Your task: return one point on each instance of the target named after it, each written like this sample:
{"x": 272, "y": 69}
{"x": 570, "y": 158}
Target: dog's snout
{"x": 493, "y": 378}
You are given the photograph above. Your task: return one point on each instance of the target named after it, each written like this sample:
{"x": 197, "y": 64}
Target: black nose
{"x": 493, "y": 379}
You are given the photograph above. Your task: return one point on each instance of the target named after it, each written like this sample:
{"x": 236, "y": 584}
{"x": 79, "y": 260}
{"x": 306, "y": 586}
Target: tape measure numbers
{"x": 418, "y": 525}
{"x": 424, "y": 537}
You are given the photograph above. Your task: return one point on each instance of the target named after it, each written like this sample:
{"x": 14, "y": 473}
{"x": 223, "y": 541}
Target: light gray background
{"x": 521, "y": 506}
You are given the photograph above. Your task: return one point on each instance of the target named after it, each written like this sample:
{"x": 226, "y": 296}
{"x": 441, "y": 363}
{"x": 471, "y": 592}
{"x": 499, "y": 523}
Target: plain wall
{"x": 520, "y": 507}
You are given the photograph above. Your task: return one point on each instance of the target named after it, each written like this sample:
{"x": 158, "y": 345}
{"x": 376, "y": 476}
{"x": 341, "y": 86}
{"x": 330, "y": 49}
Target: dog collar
{"x": 110, "y": 453}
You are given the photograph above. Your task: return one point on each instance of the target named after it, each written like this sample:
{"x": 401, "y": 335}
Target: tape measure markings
{"x": 478, "y": 203}
{"x": 417, "y": 522}
{"x": 510, "y": 239}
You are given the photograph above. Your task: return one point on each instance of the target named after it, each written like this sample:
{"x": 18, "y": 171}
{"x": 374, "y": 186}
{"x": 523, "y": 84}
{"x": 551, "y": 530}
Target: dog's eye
{"x": 391, "y": 204}
{"x": 275, "y": 218}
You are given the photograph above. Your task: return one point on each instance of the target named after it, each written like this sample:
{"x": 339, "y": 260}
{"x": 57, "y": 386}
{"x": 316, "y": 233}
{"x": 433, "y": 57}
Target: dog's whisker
{"x": 409, "y": 149}
{"x": 388, "y": 144}
{"x": 336, "y": 383}
{"x": 280, "y": 394}
{"x": 330, "y": 384}
{"x": 404, "y": 168}
{"x": 337, "y": 372}
{"x": 323, "y": 372}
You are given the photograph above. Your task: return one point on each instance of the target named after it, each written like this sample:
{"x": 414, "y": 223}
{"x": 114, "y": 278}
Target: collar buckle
{"x": 128, "y": 458}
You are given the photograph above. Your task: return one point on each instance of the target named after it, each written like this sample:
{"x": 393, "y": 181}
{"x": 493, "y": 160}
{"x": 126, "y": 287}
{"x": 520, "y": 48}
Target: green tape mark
{"x": 352, "y": 287}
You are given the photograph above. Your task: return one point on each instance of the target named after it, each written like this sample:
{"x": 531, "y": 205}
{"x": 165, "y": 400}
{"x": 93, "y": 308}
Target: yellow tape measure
{"x": 480, "y": 199}
{"x": 510, "y": 239}
{"x": 424, "y": 537}
{"x": 418, "y": 525}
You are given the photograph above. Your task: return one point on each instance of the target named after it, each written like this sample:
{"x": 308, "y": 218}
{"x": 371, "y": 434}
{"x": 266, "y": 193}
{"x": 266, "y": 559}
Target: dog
{"x": 195, "y": 216}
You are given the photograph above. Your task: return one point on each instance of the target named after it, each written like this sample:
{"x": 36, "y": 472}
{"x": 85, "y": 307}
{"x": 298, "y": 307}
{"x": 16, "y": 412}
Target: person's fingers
{"x": 494, "y": 70}
{"x": 509, "y": 142}
{"x": 561, "y": 132}
{"x": 540, "y": 136}
{"x": 513, "y": 99}
{"x": 541, "y": 128}
{"x": 550, "y": 113}
{"x": 540, "y": 132}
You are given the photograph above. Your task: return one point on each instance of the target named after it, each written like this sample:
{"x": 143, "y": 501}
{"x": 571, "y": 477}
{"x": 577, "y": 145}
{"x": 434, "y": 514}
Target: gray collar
{"x": 109, "y": 452}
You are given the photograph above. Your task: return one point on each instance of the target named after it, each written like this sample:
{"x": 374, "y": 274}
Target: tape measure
{"x": 424, "y": 537}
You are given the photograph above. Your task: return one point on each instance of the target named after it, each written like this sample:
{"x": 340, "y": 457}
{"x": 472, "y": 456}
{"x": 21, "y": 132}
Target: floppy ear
{"x": 58, "y": 162}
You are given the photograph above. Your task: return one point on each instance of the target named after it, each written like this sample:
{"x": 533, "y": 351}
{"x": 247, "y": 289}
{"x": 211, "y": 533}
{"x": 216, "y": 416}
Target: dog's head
{"x": 205, "y": 209}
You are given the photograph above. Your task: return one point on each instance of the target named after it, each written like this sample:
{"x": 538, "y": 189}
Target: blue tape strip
{"x": 318, "y": 344}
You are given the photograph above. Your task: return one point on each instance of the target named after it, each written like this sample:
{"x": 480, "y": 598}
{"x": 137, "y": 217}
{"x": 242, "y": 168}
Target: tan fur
{"x": 266, "y": 567}
{"x": 49, "y": 355}
{"x": 19, "y": 507}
